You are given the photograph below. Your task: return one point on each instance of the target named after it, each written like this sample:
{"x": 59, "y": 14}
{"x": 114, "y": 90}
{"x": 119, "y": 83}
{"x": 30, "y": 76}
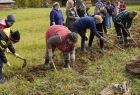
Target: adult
{"x": 7, "y": 39}
{"x": 60, "y": 37}
{"x": 71, "y": 14}
{"x": 83, "y": 23}
{"x": 56, "y": 16}
{"x": 81, "y": 8}
{"x": 122, "y": 23}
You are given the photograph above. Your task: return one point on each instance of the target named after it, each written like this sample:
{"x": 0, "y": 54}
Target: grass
{"x": 32, "y": 24}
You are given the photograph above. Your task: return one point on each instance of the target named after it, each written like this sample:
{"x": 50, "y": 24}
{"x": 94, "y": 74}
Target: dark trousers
{"x": 120, "y": 30}
{"x": 82, "y": 33}
{"x": 104, "y": 25}
{"x": 1, "y": 66}
{"x": 100, "y": 30}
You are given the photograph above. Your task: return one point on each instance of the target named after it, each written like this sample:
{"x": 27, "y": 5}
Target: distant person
{"x": 8, "y": 22}
{"x": 122, "y": 23}
{"x": 81, "y": 8}
{"x": 122, "y": 6}
{"x": 80, "y": 25}
{"x": 56, "y": 16}
{"x": 116, "y": 9}
{"x": 7, "y": 39}
{"x": 71, "y": 14}
{"x": 60, "y": 37}
{"x": 110, "y": 9}
{"x": 99, "y": 4}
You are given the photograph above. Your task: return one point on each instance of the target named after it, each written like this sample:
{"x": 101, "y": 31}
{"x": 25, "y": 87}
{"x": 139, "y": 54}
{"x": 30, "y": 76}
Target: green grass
{"x": 32, "y": 24}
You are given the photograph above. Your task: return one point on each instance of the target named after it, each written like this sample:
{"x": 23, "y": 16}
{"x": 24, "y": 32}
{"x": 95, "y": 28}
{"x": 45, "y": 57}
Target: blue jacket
{"x": 84, "y": 23}
{"x": 5, "y": 43}
{"x": 57, "y": 17}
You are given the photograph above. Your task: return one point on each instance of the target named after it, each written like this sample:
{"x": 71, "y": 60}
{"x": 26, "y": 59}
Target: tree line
{"x": 32, "y": 3}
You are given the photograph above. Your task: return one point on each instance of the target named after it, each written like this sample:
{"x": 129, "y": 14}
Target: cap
{"x": 11, "y": 18}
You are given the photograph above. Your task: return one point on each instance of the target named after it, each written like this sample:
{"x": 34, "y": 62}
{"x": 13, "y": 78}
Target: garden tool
{"x": 115, "y": 45}
{"x": 25, "y": 61}
{"x": 53, "y": 65}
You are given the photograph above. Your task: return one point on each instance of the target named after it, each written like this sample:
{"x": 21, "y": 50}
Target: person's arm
{"x": 11, "y": 48}
{"x": 52, "y": 17}
{"x": 128, "y": 24}
{"x": 76, "y": 14}
{"x": 72, "y": 53}
{"x": 62, "y": 17}
{"x": 50, "y": 42}
{"x": 94, "y": 30}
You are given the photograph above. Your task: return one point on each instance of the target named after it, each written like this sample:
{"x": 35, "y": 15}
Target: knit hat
{"x": 15, "y": 36}
{"x": 73, "y": 37}
{"x": 11, "y": 18}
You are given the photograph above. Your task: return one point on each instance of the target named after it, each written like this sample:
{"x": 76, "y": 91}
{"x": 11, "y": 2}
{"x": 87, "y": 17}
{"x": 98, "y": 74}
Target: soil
{"x": 82, "y": 59}
{"x": 134, "y": 66}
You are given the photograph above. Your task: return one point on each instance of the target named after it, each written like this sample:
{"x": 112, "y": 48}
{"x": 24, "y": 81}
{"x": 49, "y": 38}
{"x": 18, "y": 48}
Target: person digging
{"x": 7, "y": 39}
{"x": 60, "y": 37}
{"x": 83, "y": 23}
{"x": 122, "y": 23}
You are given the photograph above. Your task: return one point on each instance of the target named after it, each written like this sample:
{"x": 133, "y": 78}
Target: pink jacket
{"x": 63, "y": 32}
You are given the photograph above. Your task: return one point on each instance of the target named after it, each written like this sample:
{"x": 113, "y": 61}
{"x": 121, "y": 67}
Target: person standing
{"x": 71, "y": 14}
{"x": 56, "y": 16}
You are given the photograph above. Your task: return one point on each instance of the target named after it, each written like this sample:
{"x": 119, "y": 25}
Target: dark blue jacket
{"x": 9, "y": 45}
{"x": 84, "y": 23}
{"x": 57, "y": 17}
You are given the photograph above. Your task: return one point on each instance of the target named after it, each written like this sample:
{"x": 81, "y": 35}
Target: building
{"x": 7, "y": 4}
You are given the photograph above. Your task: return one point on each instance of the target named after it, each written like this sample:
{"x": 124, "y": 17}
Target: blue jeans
{"x": 109, "y": 20}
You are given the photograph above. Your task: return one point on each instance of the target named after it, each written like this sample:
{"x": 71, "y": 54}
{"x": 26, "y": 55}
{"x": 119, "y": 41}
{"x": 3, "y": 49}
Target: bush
{"x": 31, "y": 3}
{"x": 22, "y": 3}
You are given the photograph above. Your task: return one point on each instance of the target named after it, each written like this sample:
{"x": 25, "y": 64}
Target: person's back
{"x": 85, "y": 22}
{"x": 56, "y": 16}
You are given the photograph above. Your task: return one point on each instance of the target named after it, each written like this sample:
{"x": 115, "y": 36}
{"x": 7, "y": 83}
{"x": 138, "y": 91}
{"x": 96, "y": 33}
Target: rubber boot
{"x": 83, "y": 49}
{"x": 67, "y": 64}
{"x": 126, "y": 44}
{"x": 125, "y": 40}
{"x": 1, "y": 74}
{"x": 120, "y": 39}
{"x": 47, "y": 65}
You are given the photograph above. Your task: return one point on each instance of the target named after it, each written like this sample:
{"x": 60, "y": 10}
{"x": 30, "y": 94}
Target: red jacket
{"x": 3, "y": 25}
{"x": 63, "y": 32}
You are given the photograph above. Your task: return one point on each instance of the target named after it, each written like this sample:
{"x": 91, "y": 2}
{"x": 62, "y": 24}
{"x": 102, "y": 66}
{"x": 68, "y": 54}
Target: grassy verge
{"x": 104, "y": 70}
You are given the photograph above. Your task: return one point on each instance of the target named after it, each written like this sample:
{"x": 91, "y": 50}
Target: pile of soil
{"x": 134, "y": 66}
